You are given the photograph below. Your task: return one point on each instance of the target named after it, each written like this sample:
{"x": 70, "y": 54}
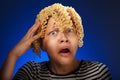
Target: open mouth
{"x": 66, "y": 50}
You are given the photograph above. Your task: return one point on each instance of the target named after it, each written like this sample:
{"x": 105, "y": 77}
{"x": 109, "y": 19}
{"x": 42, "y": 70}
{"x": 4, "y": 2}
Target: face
{"x": 60, "y": 43}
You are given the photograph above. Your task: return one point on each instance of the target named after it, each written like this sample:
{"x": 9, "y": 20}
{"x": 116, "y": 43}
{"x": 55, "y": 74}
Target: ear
{"x": 80, "y": 43}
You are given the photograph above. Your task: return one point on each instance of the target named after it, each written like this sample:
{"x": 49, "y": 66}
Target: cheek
{"x": 49, "y": 44}
{"x": 74, "y": 45}
{"x": 74, "y": 40}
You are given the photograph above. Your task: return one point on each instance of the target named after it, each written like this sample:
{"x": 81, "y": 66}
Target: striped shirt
{"x": 87, "y": 70}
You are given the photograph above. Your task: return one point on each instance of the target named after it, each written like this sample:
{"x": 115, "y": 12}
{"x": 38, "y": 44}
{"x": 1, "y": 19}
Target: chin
{"x": 66, "y": 61}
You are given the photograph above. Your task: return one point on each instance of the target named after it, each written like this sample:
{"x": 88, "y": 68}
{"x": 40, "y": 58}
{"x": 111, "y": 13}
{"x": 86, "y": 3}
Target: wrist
{"x": 13, "y": 55}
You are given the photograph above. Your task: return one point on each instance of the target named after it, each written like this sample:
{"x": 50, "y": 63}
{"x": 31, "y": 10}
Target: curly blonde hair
{"x": 64, "y": 16}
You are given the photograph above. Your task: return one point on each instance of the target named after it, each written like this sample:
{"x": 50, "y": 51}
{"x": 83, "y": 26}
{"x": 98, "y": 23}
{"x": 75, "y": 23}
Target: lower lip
{"x": 65, "y": 54}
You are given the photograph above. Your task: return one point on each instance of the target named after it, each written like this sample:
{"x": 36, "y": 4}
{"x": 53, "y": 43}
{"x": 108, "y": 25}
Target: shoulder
{"x": 34, "y": 66}
{"x": 87, "y": 63}
{"x": 30, "y": 69}
{"x": 95, "y": 68}
{"x": 93, "y": 65}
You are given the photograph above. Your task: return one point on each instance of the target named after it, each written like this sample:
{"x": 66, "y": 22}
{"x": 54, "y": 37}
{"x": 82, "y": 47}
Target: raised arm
{"x": 24, "y": 44}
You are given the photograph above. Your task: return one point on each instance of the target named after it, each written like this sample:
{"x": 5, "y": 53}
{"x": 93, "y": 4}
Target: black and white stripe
{"x": 40, "y": 71}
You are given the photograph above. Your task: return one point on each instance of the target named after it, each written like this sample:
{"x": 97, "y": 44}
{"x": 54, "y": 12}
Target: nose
{"x": 63, "y": 38}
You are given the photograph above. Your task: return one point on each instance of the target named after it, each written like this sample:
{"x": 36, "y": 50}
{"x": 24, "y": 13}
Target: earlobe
{"x": 80, "y": 43}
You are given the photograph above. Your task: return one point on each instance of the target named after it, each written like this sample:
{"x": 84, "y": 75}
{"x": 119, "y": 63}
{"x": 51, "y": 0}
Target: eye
{"x": 69, "y": 30}
{"x": 53, "y": 32}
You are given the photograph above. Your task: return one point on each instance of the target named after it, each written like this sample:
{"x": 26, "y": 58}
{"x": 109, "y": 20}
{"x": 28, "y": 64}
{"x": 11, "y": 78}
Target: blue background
{"x": 101, "y": 21}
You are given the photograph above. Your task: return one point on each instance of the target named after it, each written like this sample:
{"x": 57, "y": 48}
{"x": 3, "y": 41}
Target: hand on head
{"x": 26, "y": 42}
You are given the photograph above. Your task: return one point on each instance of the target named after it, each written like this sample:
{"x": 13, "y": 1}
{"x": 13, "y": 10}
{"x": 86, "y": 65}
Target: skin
{"x": 56, "y": 38}
{"x": 24, "y": 44}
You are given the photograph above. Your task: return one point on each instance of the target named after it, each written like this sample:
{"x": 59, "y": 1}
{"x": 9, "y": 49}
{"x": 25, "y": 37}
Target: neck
{"x": 64, "y": 69}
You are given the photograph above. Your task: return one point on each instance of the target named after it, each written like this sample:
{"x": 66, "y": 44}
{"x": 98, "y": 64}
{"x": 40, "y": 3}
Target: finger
{"x": 36, "y": 36}
{"x": 32, "y": 30}
{"x": 34, "y": 27}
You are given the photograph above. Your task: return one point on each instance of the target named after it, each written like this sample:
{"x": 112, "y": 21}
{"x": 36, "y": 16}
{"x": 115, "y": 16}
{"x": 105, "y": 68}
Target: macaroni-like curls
{"x": 64, "y": 16}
